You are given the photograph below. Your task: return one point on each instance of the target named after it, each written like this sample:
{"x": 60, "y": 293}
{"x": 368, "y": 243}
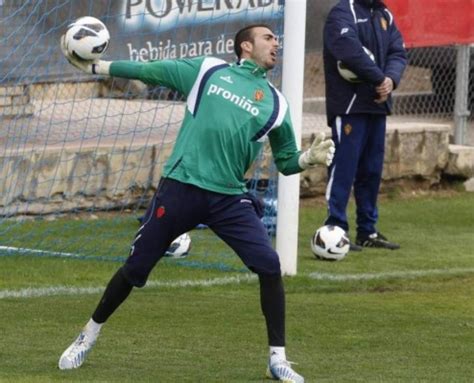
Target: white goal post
{"x": 292, "y": 87}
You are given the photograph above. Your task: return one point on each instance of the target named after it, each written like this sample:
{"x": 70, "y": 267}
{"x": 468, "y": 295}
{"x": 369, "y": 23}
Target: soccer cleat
{"x": 377, "y": 240}
{"x": 76, "y": 353}
{"x": 281, "y": 370}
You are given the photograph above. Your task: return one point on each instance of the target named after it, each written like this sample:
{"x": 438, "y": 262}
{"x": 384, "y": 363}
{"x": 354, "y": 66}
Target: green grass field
{"x": 376, "y": 316}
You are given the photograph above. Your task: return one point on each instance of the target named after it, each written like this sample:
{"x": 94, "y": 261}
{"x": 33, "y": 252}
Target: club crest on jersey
{"x": 347, "y": 129}
{"x": 160, "y": 212}
{"x": 258, "y": 96}
{"x": 383, "y": 23}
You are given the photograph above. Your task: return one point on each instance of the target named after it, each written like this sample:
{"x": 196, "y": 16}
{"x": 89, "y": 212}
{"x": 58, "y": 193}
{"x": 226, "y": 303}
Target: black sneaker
{"x": 377, "y": 240}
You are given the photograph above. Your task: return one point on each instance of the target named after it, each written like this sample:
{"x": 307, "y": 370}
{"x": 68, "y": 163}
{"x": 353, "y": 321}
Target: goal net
{"x": 81, "y": 155}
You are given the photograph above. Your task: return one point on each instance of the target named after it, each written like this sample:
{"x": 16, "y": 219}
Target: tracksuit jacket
{"x": 350, "y": 25}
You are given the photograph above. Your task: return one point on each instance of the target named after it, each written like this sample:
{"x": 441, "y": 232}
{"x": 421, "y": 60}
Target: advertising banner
{"x": 426, "y": 23}
{"x": 141, "y": 30}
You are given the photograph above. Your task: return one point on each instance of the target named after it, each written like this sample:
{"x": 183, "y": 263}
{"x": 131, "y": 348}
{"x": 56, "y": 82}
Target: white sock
{"x": 92, "y": 328}
{"x": 277, "y": 353}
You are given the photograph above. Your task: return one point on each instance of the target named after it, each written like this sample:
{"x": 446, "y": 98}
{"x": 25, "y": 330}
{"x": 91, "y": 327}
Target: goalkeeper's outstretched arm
{"x": 174, "y": 74}
{"x": 321, "y": 151}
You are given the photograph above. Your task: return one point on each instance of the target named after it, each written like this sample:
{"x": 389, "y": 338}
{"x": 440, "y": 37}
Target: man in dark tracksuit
{"x": 356, "y": 110}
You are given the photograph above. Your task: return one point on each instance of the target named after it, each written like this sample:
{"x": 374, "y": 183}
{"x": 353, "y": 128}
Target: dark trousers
{"x": 358, "y": 163}
{"x": 177, "y": 208}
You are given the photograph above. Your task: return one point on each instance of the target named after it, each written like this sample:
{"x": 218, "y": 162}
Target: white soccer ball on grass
{"x": 330, "y": 243}
{"x": 180, "y": 247}
{"x": 87, "y": 38}
{"x": 347, "y": 74}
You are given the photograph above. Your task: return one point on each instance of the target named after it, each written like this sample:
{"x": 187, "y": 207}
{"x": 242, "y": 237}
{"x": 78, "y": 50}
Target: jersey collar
{"x": 250, "y": 66}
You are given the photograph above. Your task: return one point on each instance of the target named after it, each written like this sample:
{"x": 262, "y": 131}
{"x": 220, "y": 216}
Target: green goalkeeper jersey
{"x": 230, "y": 111}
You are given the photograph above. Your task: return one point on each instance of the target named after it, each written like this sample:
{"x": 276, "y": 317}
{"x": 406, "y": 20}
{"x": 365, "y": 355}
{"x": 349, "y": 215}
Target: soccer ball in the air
{"x": 330, "y": 243}
{"x": 87, "y": 37}
{"x": 347, "y": 74}
{"x": 180, "y": 247}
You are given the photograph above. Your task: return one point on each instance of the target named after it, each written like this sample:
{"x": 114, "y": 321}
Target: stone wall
{"x": 48, "y": 166}
{"x": 15, "y": 101}
{"x": 41, "y": 181}
{"x": 412, "y": 150}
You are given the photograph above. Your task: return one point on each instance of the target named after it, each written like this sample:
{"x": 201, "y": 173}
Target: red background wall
{"x": 434, "y": 22}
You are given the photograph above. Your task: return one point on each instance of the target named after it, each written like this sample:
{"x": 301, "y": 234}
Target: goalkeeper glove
{"x": 321, "y": 152}
{"x": 87, "y": 66}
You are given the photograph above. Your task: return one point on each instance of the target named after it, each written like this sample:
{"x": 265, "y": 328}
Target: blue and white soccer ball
{"x": 330, "y": 243}
{"x": 180, "y": 247}
{"x": 87, "y": 37}
{"x": 347, "y": 74}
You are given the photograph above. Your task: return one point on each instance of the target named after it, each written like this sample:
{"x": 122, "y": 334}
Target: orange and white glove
{"x": 321, "y": 152}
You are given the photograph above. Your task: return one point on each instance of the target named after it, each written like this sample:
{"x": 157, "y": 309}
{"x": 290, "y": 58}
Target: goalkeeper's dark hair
{"x": 246, "y": 34}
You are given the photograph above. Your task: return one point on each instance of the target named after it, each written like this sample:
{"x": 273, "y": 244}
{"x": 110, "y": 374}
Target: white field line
{"x": 24, "y": 250}
{"x": 68, "y": 290}
{"x": 407, "y": 274}
{"x": 246, "y": 278}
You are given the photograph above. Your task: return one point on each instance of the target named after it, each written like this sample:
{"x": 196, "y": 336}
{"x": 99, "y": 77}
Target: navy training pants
{"x": 177, "y": 208}
{"x": 358, "y": 162}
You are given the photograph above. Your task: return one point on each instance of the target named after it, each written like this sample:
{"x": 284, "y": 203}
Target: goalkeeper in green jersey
{"x": 231, "y": 109}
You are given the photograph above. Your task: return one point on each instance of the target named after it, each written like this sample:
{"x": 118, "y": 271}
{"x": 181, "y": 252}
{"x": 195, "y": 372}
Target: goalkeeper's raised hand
{"x": 87, "y": 66}
{"x": 321, "y": 152}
